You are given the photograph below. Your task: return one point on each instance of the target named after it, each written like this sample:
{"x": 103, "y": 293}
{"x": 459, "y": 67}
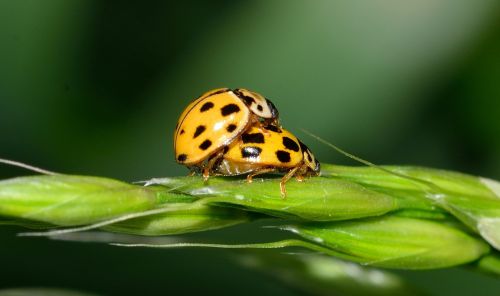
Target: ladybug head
{"x": 274, "y": 110}
{"x": 312, "y": 163}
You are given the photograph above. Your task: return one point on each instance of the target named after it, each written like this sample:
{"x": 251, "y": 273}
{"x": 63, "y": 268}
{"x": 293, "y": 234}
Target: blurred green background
{"x": 96, "y": 87}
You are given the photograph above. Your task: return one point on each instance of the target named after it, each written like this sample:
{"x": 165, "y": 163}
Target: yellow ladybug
{"x": 214, "y": 120}
{"x": 265, "y": 149}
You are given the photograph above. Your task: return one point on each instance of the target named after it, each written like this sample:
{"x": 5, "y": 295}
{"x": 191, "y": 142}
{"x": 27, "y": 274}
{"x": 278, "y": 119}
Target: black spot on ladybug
{"x": 206, "y": 106}
{"x": 225, "y": 150}
{"x": 283, "y": 156}
{"x": 248, "y": 100}
{"x": 205, "y": 144}
{"x": 290, "y": 144}
{"x": 200, "y": 129}
{"x": 272, "y": 128}
{"x": 309, "y": 157}
{"x": 182, "y": 131}
{"x": 230, "y": 128}
{"x": 229, "y": 109}
{"x": 250, "y": 151}
{"x": 303, "y": 147}
{"x": 252, "y": 138}
{"x": 259, "y": 107}
{"x": 181, "y": 157}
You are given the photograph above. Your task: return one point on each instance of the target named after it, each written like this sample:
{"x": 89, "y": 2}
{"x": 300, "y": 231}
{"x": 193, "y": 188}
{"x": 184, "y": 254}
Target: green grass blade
{"x": 458, "y": 183}
{"x": 490, "y": 264}
{"x": 473, "y": 200}
{"x": 184, "y": 219}
{"x": 364, "y": 215}
{"x": 63, "y": 200}
{"x": 71, "y": 200}
{"x": 395, "y": 242}
{"x": 317, "y": 199}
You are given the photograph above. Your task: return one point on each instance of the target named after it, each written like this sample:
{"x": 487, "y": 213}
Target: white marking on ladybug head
{"x": 259, "y": 105}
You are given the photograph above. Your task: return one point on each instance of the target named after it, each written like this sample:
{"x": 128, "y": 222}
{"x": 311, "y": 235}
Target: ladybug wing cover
{"x": 279, "y": 149}
{"x": 209, "y": 123}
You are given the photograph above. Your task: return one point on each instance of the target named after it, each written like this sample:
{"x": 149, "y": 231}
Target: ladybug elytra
{"x": 214, "y": 120}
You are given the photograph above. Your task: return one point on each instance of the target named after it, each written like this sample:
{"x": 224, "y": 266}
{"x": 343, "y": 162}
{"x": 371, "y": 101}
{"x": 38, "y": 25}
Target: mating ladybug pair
{"x": 236, "y": 131}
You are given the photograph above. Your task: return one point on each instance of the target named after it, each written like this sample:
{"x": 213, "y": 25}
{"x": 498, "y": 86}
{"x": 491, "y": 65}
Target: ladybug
{"x": 266, "y": 149}
{"x": 214, "y": 120}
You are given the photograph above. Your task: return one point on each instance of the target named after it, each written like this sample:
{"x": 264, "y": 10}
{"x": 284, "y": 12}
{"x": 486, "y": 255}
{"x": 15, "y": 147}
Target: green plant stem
{"x": 417, "y": 218}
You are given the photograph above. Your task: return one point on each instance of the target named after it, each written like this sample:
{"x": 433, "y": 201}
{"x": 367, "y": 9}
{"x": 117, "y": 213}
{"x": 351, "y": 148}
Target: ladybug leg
{"x": 206, "y": 175}
{"x": 285, "y": 179}
{"x": 259, "y": 172}
{"x": 276, "y": 123}
{"x": 299, "y": 175}
{"x": 194, "y": 169}
{"x": 264, "y": 130}
{"x": 207, "y": 170}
